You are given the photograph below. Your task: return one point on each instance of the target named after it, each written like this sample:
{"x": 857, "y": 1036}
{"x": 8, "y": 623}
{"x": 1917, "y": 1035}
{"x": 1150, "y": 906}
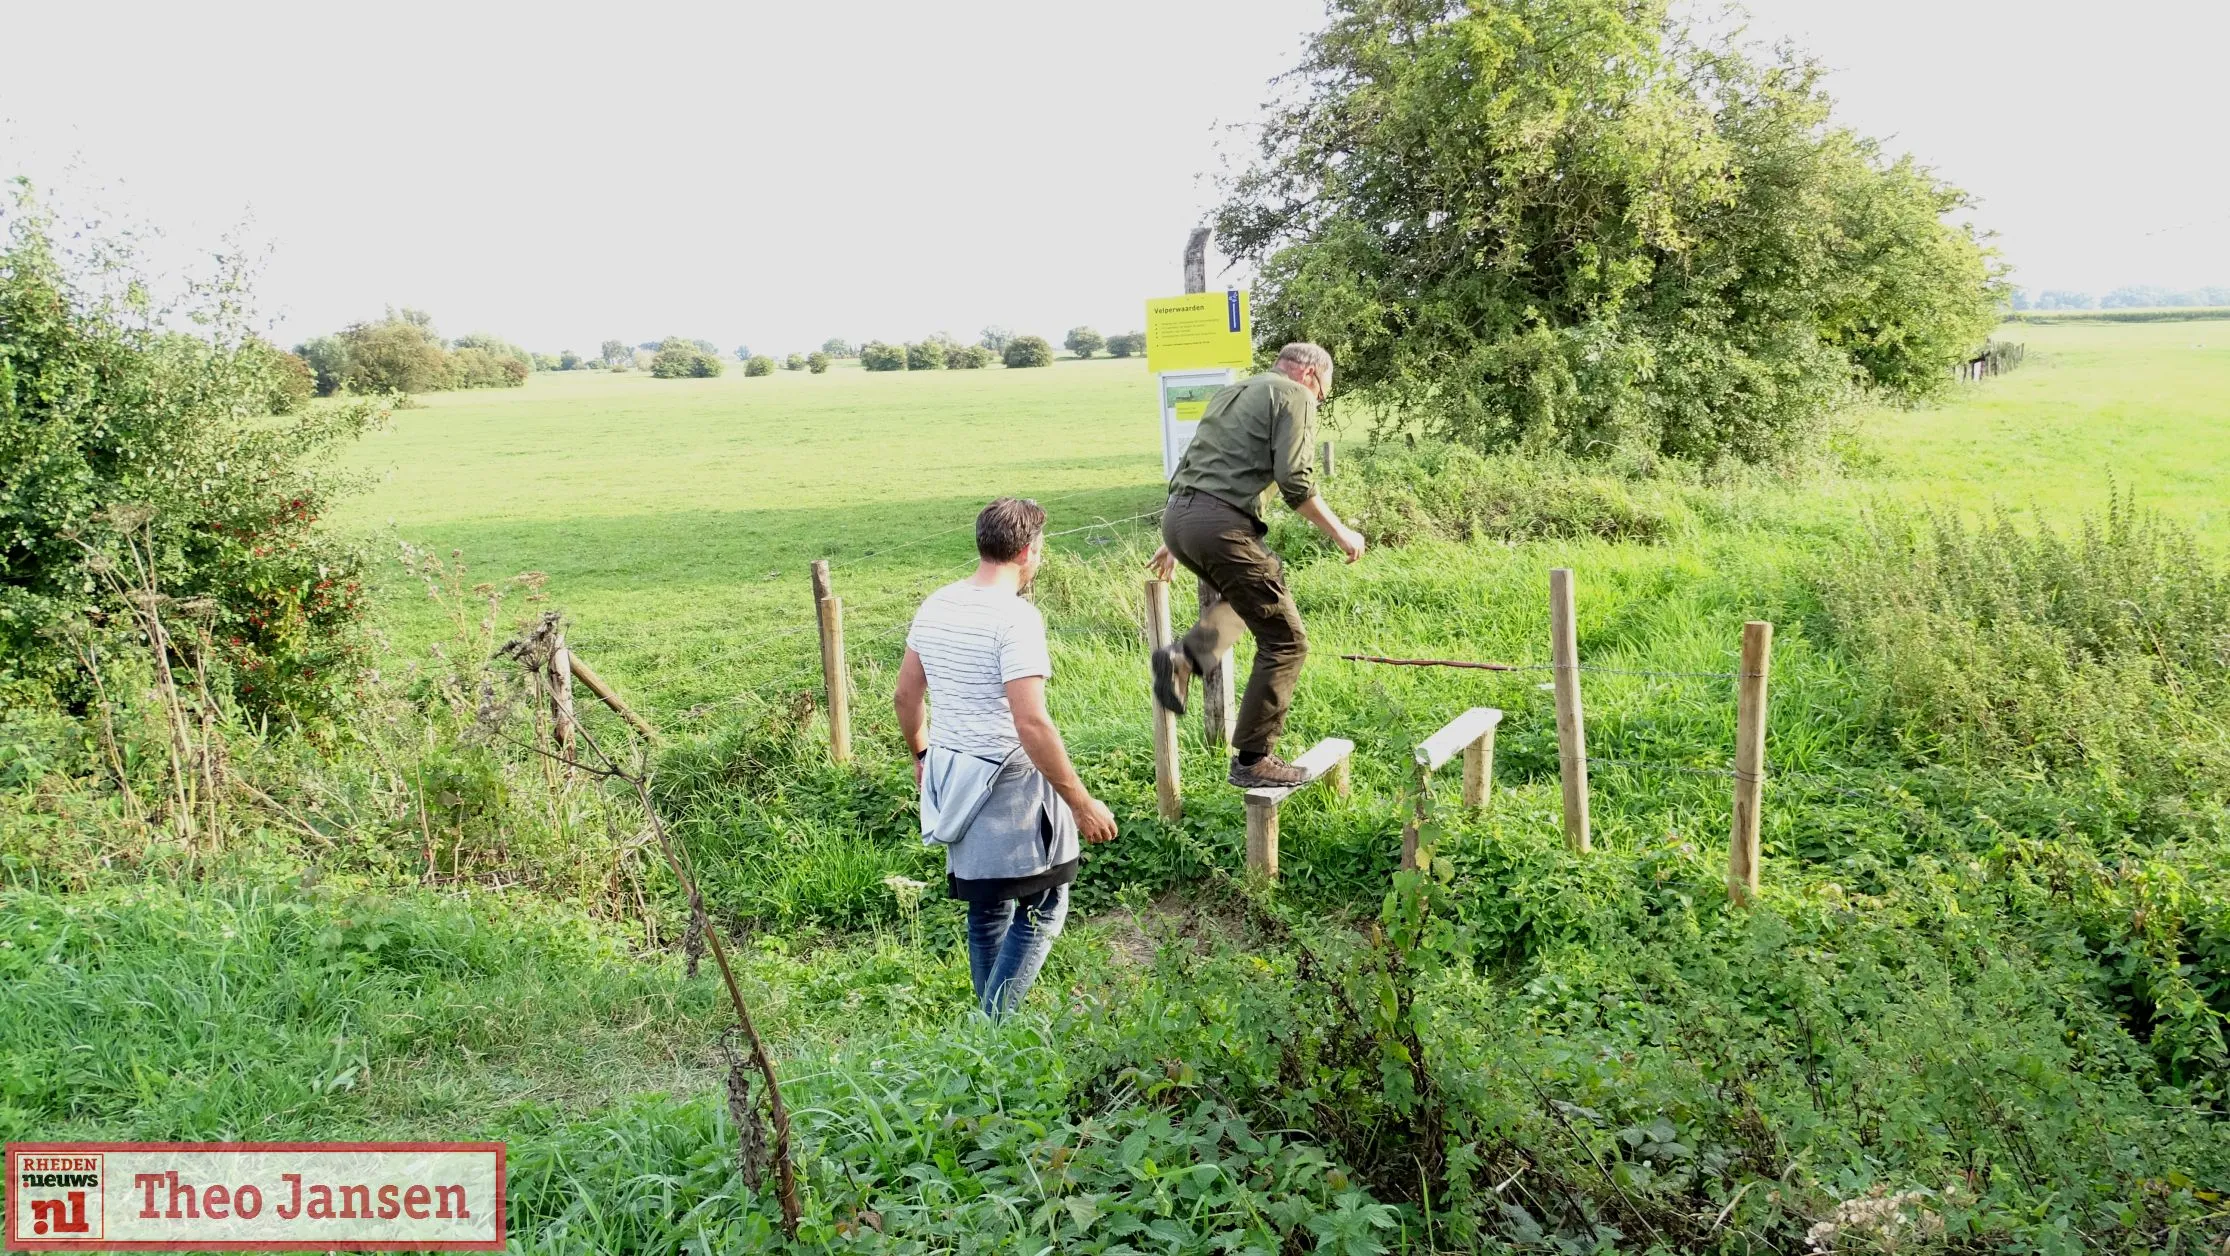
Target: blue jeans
{"x": 1007, "y": 945}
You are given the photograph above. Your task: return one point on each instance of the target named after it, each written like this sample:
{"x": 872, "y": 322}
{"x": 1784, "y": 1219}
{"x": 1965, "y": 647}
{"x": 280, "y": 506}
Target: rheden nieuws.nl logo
{"x": 123, "y": 1197}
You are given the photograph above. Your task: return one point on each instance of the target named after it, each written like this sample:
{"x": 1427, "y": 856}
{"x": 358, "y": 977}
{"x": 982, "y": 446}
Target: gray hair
{"x": 1306, "y": 356}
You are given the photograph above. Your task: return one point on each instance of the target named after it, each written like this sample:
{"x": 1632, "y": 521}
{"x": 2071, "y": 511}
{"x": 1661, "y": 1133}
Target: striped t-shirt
{"x": 973, "y": 640}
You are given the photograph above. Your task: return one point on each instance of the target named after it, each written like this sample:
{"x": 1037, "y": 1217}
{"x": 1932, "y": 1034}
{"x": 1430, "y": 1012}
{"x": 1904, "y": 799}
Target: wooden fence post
{"x": 1324, "y": 458}
{"x": 1168, "y": 792}
{"x": 1749, "y": 761}
{"x": 835, "y": 678}
{"x": 1219, "y": 699}
{"x": 563, "y": 719}
{"x": 1571, "y": 726}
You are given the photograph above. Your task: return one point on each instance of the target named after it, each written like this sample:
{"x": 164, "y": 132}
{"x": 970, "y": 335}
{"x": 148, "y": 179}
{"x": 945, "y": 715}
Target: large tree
{"x": 1563, "y": 224}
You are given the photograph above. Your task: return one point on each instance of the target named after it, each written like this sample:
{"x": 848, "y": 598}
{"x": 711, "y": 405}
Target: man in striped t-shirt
{"x": 997, "y": 788}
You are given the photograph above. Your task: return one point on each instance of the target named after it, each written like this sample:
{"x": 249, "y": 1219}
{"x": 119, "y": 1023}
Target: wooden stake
{"x": 1571, "y": 726}
{"x": 1324, "y": 458}
{"x": 586, "y": 675}
{"x": 1168, "y": 791}
{"x": 1478, "y": 771}
{"x": 1262, "y": 837}
{"x": 1219, "y": 705}
{"x": 562, "y": 715}
{"x": 1749, "y": 761}
{"x": 836, "y": 680}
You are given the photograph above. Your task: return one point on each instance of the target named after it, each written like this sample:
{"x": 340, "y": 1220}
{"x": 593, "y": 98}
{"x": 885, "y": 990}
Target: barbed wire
{"x": 1535, "y": 667}
{"x": 1649, "y": 766}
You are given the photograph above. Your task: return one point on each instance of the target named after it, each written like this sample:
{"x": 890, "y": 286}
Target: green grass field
{"x": 1988, "y": 974}
{"x": 675, "y": 518}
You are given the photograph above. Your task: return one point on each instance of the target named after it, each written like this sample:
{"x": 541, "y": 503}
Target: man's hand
{"x": 1162, "y": 563}
{"x": 1094, "y": 822}
{"x": 1350, "y": 542}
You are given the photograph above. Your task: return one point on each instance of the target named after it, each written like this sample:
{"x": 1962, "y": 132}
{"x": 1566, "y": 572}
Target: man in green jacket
{"x": 1254, "y": 433}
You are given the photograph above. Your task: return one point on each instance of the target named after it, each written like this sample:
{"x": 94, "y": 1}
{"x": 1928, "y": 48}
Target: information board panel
{"x": 1195, "y": 344}
{"x": 1200, "y": 331}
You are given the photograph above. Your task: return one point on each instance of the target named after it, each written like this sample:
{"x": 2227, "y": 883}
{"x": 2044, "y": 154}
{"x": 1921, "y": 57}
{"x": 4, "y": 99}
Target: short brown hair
{"x": 1006, "y": 527}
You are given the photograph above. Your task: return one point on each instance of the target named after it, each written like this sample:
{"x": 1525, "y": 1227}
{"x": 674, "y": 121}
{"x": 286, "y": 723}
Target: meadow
{"x": 1980, "y": 1005}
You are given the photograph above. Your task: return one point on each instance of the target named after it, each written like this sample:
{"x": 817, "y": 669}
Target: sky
{"x": 777, "y": 174}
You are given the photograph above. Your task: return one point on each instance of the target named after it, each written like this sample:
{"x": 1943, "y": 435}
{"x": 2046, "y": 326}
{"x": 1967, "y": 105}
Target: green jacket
{"x": 1254, "y": 433}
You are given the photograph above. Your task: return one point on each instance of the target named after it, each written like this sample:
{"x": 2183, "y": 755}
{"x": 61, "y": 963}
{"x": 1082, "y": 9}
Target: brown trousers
{"x": 1242, "y": 586}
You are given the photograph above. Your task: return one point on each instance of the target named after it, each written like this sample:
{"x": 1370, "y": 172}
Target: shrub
{"x": 289, "y": 381}
{"x": 926, "y": 355}
{"x": 817, "y": 362}
{"x": 684, "y": 359}
{"x": 967, "y": 357}
{"x": 1084, "y": 342}
{"x": 110, "y": 425}
{"x": 567, "y": 360}
{"x": 878, "y": 356}
{"x": 758, "y": 364}
{"x": 836, "y": 347}
{"x": 795, "y": 362}
{"x": 397, "y": 354}
{"x": 1126, "y": 344}
{"x": 1728, "y": 260}
{"x": 1028, "y": 351}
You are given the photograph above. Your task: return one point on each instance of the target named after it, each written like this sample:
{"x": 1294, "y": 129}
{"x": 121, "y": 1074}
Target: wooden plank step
{"x": 1459, "y": 732}
{"x": 1322, "y": 760}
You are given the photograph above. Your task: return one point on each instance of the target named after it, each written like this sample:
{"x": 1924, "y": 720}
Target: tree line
{"x": 2136, "y": 297}
{"x": 402, "y": 353}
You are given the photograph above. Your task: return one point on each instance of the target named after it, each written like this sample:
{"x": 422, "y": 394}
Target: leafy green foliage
{"x": 402, "y": 353}
{"x": 817, "y": 362}
{"x": 685, "y": 359}
{"x": 795, "y": 362}
{"x": 968, "y": 357}
{"x": 1126, "y": 344}
{"x": 1400, "y": 494}
{"x": 925, "y": 355}
{"x": 758, "y": 364}
{"x": 1027, "y": 351}
{"x": 109, "y": 423}
{"x": 877, "y": 356}
{"x": 1084, "y": 342}
{"x": 1557, "y": 225}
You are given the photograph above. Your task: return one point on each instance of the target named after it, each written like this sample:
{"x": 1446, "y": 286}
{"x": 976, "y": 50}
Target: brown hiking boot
{"x": 1172, "y": 678}
{"x": 1268, "y": 772}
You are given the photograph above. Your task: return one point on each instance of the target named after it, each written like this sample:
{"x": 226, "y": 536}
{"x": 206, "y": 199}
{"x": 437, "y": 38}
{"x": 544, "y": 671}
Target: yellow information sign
{"x": 1200, "y": 331}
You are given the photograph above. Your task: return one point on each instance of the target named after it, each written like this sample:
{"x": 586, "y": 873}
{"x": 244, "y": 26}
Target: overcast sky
{"x": 775, "y": 174}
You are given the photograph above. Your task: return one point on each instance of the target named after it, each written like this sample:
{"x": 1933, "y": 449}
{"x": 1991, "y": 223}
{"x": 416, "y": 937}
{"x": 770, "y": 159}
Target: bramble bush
{"x": 878, "y": 356}
{"x": 925, "y": 355}
{"x": 111, "y": 425}
{"x": 817, "y": 362}
{"x": 758, "y": 364}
